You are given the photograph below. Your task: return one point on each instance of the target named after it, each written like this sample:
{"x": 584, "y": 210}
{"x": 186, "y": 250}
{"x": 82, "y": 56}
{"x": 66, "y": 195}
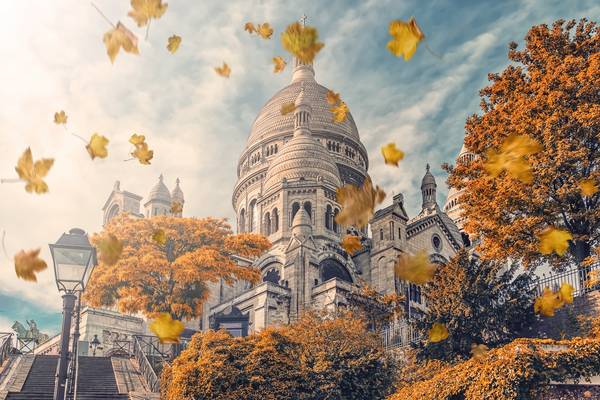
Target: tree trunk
{"x": 581, "y": 250}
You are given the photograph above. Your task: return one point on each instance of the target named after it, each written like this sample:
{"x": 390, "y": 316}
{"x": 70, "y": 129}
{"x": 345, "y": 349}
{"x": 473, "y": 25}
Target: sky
{"x": 53, "y": 58}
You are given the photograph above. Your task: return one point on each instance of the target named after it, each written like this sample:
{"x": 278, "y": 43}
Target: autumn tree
{"x": 313, "y": 358}
{"x": 479, "y": 302}
{"x": 167, "y": 263}
{"x": 550, "y": 94}
{"x": 377, "y": 309}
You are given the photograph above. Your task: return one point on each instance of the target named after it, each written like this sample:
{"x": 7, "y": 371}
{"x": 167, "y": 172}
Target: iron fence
{"x": 583, "y": 280}
{"x": 399, "y": 334}
{"x": 6, "y": 346}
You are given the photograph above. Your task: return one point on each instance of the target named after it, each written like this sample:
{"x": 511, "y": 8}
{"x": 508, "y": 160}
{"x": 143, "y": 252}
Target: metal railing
{"x": 399, "y": 334}
{"x": 145, "y": 366}
{"x": 583, "y": 280}
{"x": 6, "y": 346}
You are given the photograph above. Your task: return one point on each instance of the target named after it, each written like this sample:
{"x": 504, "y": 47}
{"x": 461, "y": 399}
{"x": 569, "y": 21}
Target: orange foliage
{"x": 173, "y": 275}
{"x": 552, "y": 97}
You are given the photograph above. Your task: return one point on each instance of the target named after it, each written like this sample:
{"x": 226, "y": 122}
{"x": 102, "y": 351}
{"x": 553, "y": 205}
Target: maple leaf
{"x": 351, "y": 244}
{"x": 110, "y": 248}
{"x": 166, "y": 328}
{"x": 97, "y": 146}
{"x": 565, "y": 293}
{"x": 264, "y": 30}
{"x": 224, "y": 71}
{"x": 479, "y": 350}
{"x": 176, "y": 207}
{"x": 279, "y": 64}
{"x": 406, "y": 36}
{"x": 60, "y": 117}
{"x": 136, "y": 139}
{"x": 438, "y": 332}
{"x": 301, "y": 41}
{"x": 391, "y": 154}
{"x": 547, "y": 303}
{"x": 249, "y": 26}
{"x": 159, "y": 236}
{"x": 510, "y": 157}
{"x": 340, "y": 112}
{"x": 287, "y": 108}
{"x": 32, "y": 173}
{"x": 554, "y": 240}
{"x": 28, "y": 263}
{"x": 333, "y": 98}
{"x": 143, "y": 154}
{"x": 588, "y": 187}
{"x": 415, "y": 268}
{"x": 143, "y": 10}
{"x": 587, "y": 394}
{"x": 117, "y": 38}
{"x": 358, "y": 203}
{"x": 173, "y": 43}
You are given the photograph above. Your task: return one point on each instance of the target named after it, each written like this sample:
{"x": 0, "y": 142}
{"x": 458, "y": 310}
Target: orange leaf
{"x": 27, "y": 264}
{"x": 166, "y": 328}
{"x": 351, "y": 244}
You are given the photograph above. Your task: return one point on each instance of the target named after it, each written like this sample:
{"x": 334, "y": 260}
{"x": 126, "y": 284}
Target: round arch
{"x": 331, "y": 268}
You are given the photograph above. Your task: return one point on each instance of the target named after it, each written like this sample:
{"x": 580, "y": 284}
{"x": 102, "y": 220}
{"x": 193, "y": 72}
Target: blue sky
{"x": 198, "y": 123}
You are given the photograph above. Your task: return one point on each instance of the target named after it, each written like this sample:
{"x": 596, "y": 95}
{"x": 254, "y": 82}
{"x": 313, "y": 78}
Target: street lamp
{"x": 94, "y": 345}
{"x": 74, "y": 259}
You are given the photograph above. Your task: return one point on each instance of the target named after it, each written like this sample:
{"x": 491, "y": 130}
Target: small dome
{"x": 177, "y": 194}
{"x": 302, "y": 225}
{"x": 160, "y": 191}
{"x": 428, "y": 179}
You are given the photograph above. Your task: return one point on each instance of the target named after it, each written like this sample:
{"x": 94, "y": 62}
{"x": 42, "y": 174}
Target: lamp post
{"x": 94, "y": 345}
{"x": 74, "y": 259}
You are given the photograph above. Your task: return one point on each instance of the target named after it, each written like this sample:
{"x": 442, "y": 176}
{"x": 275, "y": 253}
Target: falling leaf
{"x": 333, "y": 98}
{"x": 28, "y": 263}
{"x": 144, "y": 10}
{"x": 264, "y": 30}
{"x": 406, "y": 36}
{"x": 547, "y": 303}
{"x": 358, "y": 203}
{"x": 249, "y": 27}
{"x": 510, "y": 158}
{"x": 117, "y": 38}
{"x": 438, "y": 332}
{"x": 279, "y": 64}
{"x": 136, "y": 139}
{"x": 554, "y": 240}
{"x": 159, "y": 236}
{"x": 479, "y": 350}
{"x": 302, "y": 42}
{"x": 340, "y": 112}
{"x": 391, "y": 154}
{"x": 588, "y": 187}
{"x": 32, "y": 173}
{"x": 351, "y": 244}
{"x": 97, "y": 146}
{"x": 141, "y": 152}
{"x": 587, "y": 394}
{"x": 166, "y": 328}
{"x": 224, "y": 71}
{"x": 593, "y": 279}
{"x": 176, "y": 207}
{"x": 174, "y": 42}
{"x": 415, "y": 268}
{"x": 287, "y": 108}
{"x": 60, "y": 117}
{"x": 110, "y": 249}
{"x": 565, "y": 293}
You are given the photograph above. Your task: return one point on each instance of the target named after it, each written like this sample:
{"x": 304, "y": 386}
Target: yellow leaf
{"x": 249, "y": 27}
{"x": 143, "y": 154}
{"x": 166, "y": 328}
{"x": 136, "y": 139}
{"x": 97, "y": 146}
{"x": 176, "y": 207}
{"x": 302, "y": 42}
{"x": 565, "y": 293}
{"x": 60, "y": 117}
{"x": 510, "y": 157}
{"x": 159, "y": 236}
{"x": 173, "y": 44}
{"x": 479, "y": 350}
{"x": 593, "y": 279}
{"x": 117, "y": 38}
{"x": 351, "y": 244}
{"x": 287, "y": 108}
{"x": 391, "y": 154}
{"x": 547, "y": 303}
{"x": 415, "y": 268}
{"x": 588, "y": 187}
{"x": 32, "y": 173}
{"x": 438, "y": 332}
{"x": 358, "y": 203}
{"x": 27, "y": 264}
{"x": 554, "y": 240}
{"x": 143, "y": 10}
{"x": 587, "y": 394}
{"x": 340, "y": 112}
{"x": 279, "y": 64}
{"x": 333, "y": 98}
{"x": 406, "y": 36}
{"x": 224, "y": 71}
{"x": 110, "y": 249}
{"x": 264, "y": 30}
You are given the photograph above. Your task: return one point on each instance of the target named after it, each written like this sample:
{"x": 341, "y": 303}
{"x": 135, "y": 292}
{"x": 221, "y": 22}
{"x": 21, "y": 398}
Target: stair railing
{"x": 146, "y": 368}
{"x": 6, "y": 346}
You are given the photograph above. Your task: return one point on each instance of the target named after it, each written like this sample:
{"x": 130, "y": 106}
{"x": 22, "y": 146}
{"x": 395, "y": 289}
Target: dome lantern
{"x": 428, "y": 189}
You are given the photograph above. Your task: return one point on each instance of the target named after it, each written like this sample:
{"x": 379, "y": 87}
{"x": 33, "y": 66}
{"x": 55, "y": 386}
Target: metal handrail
{"x": 145, "y": 366}
{"x": 399, "y": 334}
{"x": 6, "y": 346}
{"x": 583, "y": 280}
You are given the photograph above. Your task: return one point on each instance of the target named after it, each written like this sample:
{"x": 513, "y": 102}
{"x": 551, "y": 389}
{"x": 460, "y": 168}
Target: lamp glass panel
{"x": 72, "y": 256}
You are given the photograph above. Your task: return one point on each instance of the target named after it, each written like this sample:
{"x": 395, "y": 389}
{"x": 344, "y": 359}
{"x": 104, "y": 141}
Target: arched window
{"x": 113, "y": 212}
{"x": 391, "y": 230}
{"x": 295, "y": 208}
{"x": 308, "y": 208}
{"x": 381, "y": 234}
{"x": 267, "y": 224}
{"x": 275, "y": 221}
{"x": 242, "y": 221}
{"x": 335, "y": 224}
{"x": 272, "y": 275}
{"x": 328, "y": 216}
{"x": 331, "y": 268}
{"x": 252, "y": 225}
{"x": 275, "y": 147}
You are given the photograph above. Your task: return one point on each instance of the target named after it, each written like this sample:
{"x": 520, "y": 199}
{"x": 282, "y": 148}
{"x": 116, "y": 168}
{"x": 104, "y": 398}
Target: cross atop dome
{"x": 303, "y": 19}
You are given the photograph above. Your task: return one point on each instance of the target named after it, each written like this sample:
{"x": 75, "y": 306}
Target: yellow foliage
{"x": 160, "y": 237}
{"x": 358, "y": 203}
{"x": 117, "y": 38}
{"x": 438, "y": 332}
{"x": 351, "y": 244}
{"x": 415, "y": 268}
{"x": 143, "y": 10}
{"x": 588, "y": 187}
{"x": 60, "y": 117}
{"x": 110, "y": 249}
{"x": 406, "y": 36}
{"x": 223, "y": 71}
{"x": 301, "y": 41}
{"x": 333, "y": 98}
{"x": 28, "y": 263}
{"x": 166, "y": 328}
{"x": 554, "y": 240}
{"x": 97, "y": 146}
{"x": 249, "y": 27}
{"x": 264, "y": 30}
{"x": 287, "y": 108}
{"x": 510, "y": 157}
{"x": 391, "y": 154}
{"x": 173, "y": 43}
{"x": 340, "y": 112}
{"x": 33, "y": 173}
{"x": 279, "y": 64}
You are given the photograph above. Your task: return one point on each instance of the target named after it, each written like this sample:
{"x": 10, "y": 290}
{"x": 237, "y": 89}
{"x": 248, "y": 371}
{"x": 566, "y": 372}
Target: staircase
{"x": 40, "y": 380}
